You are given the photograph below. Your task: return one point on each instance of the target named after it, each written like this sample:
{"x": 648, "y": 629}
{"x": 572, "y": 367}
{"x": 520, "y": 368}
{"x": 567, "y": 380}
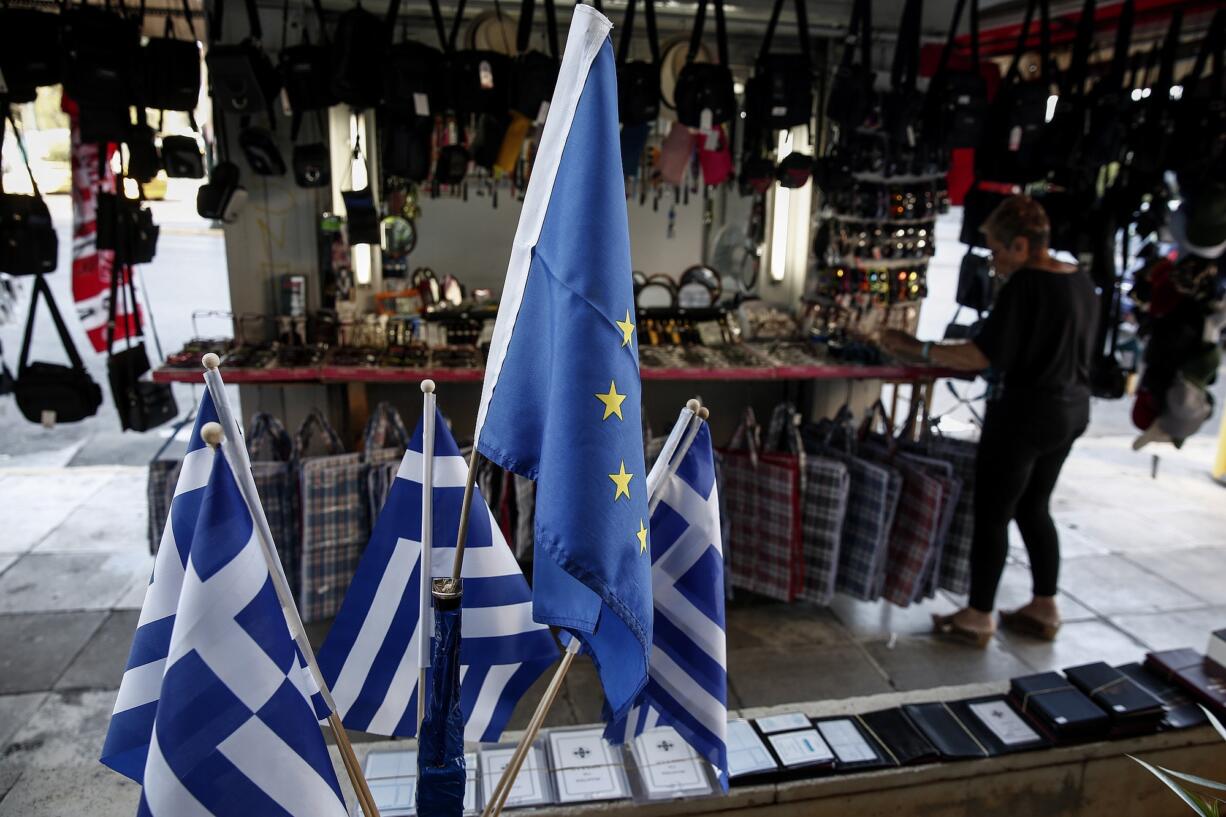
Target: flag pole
{"x": 241, "y": 467}
{"x": 499, "y": 797}
{"x": 427, "y": 544}
{"x": 461, "y": 538}
{"x": 698, "y": 414}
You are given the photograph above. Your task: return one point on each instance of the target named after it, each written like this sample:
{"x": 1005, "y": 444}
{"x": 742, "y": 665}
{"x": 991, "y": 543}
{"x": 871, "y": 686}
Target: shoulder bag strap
{"x": 623, "y": 42}
{"x": 523, "y": 36}
{"x": 393, "y": 11}
{"x": 1013, "y": 74}
{"x": 802, "y": 25}
{"x": 551, "y": 29}
{"x": 721, "y": 32}
{"x": 1073, "y": 81}
{"x": 455, "y": 26}
{"x": 21, "y": 146}
{"x": 253, "y": 20}
{"x": 42, "y": 288}
{"x": 700, "y": 18}
{"x": 319, "y": 14}
{"x": 947, "y": 51}
{"x": 854, "y": 33}
{"x": 1045, "y": 69}
{"x": 1123, "y": 38}
{"x": 906, "y": 51}
{"x": 1161, "y": 90}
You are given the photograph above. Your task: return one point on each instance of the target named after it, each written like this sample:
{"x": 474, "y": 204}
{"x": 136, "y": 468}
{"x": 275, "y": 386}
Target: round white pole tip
{"x": 692, "y": 404}
{"x": 210, "y": 360}
{"x": 211, "y": 433}
{"x": 704, "y": 413}
{"x": 427, "y": 386}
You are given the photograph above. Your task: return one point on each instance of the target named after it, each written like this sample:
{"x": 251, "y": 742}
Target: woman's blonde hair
{"x": 1019, "y": 217}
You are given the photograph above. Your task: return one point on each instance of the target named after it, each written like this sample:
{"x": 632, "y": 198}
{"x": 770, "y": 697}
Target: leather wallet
{"x": 1133, "y": 710}
{"x": 1059, "y": 709}
{"x": 904, "y": 744}
{"x": 944, "y": 730}
{"x": 854, "y": 748}
{"x": 1203, "y": 678}
{"x": 1180, "y": 711}
{"x": 998, "y": 725}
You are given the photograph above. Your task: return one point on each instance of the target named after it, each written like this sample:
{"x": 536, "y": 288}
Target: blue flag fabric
{"x": 235, "y": 730}
{"x": 370, "y": 658}
{"x": 440, "y": 749}
{"x": 561, "y": 398}
{"x": 688, "y": 684}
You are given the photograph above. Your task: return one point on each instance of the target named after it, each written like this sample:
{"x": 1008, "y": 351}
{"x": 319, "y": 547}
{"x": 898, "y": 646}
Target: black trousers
{"x": 1021, "y": 452}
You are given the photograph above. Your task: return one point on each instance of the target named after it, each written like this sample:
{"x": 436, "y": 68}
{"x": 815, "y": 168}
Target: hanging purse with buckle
{"x": 141, "y": 404}
{"x": 535, "y": 73}
{"x": 62, "y": 394}
{"x": 28, "y": 243}
{"x": 171, "y": 69}
{"x": 780, "y": 93}
{"x": 704, "y": 94}
{"x": 241, "y": 77}
{"x": 29, "y": 52}
{"x": 638, "y": 82}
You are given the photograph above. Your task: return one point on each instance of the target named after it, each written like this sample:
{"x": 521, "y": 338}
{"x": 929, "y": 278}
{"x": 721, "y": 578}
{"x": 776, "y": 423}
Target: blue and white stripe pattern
{"x": 687, "y": 678}
{"x": 370, "y": 659}
{"x": 235, "y": 730}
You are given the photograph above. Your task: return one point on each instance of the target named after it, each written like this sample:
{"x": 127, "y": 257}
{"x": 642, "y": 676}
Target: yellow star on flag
{"x": 612, "y": 402}
{"x": 622, "y": 481}
{"x": 627, "y": 328}
{"x": 642, "y": 535}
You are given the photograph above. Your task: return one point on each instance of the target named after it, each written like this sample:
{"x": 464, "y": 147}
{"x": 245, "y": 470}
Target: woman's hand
{"x": 898, "y": 343}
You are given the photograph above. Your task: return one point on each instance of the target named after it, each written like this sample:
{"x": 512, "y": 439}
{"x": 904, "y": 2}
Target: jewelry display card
{"x": 803, "y": 748}
{"x": 847, "y": 742}
{"x": 668, "y": 766}
{"x": 747, "y": 754}
{"x": 585, "y": 766}
{"x": 392, "y": 777}
{"x": 531, "y": 786}
{"x": 782, "y": 723}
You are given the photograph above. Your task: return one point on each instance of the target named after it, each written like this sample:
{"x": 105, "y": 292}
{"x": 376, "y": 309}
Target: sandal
{"x": 1026, "y": 624}
{"x": 946, "y": 626}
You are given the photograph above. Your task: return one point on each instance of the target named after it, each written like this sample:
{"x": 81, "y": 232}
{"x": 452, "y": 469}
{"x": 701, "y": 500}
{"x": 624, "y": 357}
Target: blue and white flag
{"x": 687, "y": 687}
{"x": 370, "y": 659}
{"x": 561, "y": 399}
{"x": 235, "y": 730}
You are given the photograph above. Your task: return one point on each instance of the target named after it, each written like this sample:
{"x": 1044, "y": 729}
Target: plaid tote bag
{"x": 335, "y": 519}
{"x": 951, "y": 490}
{"x": 913, "y": 535}
{"x": 762, "y": 492}
{"x": 159, "y": 491}
{"x": 384, "y": 443}
{"x": 954, "y": 573}
{"x": 272, "y": 454}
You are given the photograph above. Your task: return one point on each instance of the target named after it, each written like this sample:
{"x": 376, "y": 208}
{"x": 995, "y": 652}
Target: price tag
{"x": 487, "y": 75}
{"x": 1015, "y": 138}
{"x": 48, "y": 418}
{"x": 421, "y": 104}
{"x": 286, "y": 108}
{"x": 705, "y": 120}
{"x": 712, "y": 140}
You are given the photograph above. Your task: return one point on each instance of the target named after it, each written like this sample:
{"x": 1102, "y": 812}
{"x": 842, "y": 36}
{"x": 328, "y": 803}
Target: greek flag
{"x": 687, "y": 684}
{"x": 370, "y": 659}
{"x": 235, "y": 731}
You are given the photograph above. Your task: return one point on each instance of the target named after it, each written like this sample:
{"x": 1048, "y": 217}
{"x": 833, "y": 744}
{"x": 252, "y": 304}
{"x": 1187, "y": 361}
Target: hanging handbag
{"x": 902, "y": 106}
{"x": 143, "y": 160}
{"x": 181, "y": 157}
{"x": 141, "y": 404}
{"x": 29, "y": 52}
{"x": 704, "y": 94}
{"x": 261, "y": 151}
{"x": 714, "y": 157}
{"x": 103, "y": 124}
{"x": 170, "y": 69}
{"x": 415, "y": 82}
{"x": 404, "y": 145}
{"x": 52, "y": 391}
{"x": 273, "y": 456}
{"x": 361, "y": 211}
{"x": 100, "y": 50}
{"x": 780, "y": 92}
{"x": 242, "y": 78}
{"x": 222, "y": 197}
{"x": 28, "y": 243}
{"x": 359, "y": 49}
{"x": 481, "y": 79}
{"x": 306, "y": 72}
{"x": 312, "y": 165}
{"x": 852, "y": 101}
{"x": 638, "y": 82}
{"x": 126, "y": 228}
{"x": 956, "y": 103}
{"x": 535, "y": 73}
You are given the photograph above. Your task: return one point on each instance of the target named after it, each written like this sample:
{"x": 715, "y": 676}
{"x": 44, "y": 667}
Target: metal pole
{"x": 427, "y": 544}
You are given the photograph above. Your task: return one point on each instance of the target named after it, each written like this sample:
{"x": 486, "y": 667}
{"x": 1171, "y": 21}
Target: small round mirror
{"x": 399, "y": 237}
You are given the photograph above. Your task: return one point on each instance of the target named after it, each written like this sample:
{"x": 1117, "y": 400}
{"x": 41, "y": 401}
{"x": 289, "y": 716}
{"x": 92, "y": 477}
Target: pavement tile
{"x": 8, "y": 777}
{"x": 15, "y": 710}
{"x": 766, "y": 676}
{"x": 929, "y": 661}
{"x": 66, "y": 731}
{"x": 1115, "y": 528}
{"x": 1169, "y": 631}
{"x": 1111, "y": 584}
{"x": 96, "y": 791}
{"x": 39, "y": 646}
{"x": 7, "y": 559}
{"x": 95, "y": 527}
{"x": 1196, "y": 570}
{"x": 46, "y": 499}
{"x": 1079, "y": 642}
{"x": 100, "y": 664}
{"x": 71, "y": 581}
{"x": 1016, "y": 589}
{"x": 869, "y": 620}
{"x": 757, "y": 623}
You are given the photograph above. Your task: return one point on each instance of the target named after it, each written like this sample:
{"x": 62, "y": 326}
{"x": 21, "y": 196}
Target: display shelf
{"x": 389, "y": 374}
{"x": 272, "y": 375}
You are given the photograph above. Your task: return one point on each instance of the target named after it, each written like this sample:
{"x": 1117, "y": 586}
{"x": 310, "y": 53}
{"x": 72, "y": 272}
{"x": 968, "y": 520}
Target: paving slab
{"x": 917, "y": 662}
{"x": 100, "y": 663}
{"x": 1016, "y": 589}
{"x": 94, "y": 526}
{"x": 7, "y": 559}
{"x": 1169, "y": 631}
{"x": 758, "y": 623}
{"x": 766, "y": 677}
{"x": 97, "y": 792}
{"x": 8, "y": 777}
{"x": 15, "y": 710}
{"x": 872, "y": 620}
{"x": 1113, "y": 585}
{"x": 66, "y": 731}
{"x": 41, "y": 582}
{"x": 46, "y": 498}
{"x": 38, "y": 647}
{"x": 1200, "y": 570}
{"x": 1079, "y": 642}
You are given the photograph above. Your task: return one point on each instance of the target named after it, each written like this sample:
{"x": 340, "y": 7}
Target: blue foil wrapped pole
{"x": 440, "y": 746}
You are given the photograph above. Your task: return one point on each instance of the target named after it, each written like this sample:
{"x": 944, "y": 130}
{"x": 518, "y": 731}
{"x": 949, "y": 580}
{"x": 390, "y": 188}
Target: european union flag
{"x": 561, "y": 399}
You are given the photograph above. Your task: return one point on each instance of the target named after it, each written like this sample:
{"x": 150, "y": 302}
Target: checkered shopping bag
{"x": 335, "y": 519}
{"x": 762, "y": 492}
{"x": 951, "y": 491}
{"x": 379, "y": 479}
{"x": 386, "y": 437}
{"x": 271, "y": 450}
{"x": 954, "y": 573}
{"x": 916, "y": 526}
{"x": 159, "y": 491}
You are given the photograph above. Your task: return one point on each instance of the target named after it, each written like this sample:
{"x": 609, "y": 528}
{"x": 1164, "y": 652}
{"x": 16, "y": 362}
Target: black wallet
{"x": 1059, "y": 709}
{"x": 946, "y": 731}
{"x": 1179, "y": 711}
{"x": 1132, "y": 709}
{"x": 904, "y": 744}
{"x": 854, "y": 748}
{"x": 998, "y": 725}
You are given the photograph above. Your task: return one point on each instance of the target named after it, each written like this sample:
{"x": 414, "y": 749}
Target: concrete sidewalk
{"x": 1145, "y": 564}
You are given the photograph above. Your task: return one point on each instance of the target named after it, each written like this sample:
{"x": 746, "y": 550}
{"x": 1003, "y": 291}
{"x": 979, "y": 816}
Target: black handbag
{"x": 780, "y": 93}
{"x": 535, "y": 73}
{"x": 66, "y": 393}
{"x": 100, "y": 49}
{"x": 242, "y": 78}
{"x": 170, "y": 69}
{"x": 902, "y": 107}
{"x": 638, "y": 82}
{"x": 852, "y": 101}
{"x": 182, "y": 158}
{"x": 29, "y": 51}
{"x": 126, "y": 228}
{"x": 1009, "y": 150}
{"x": 221, "y": 197}
{"x": 261, "y": 151}
{"x": 359, "y": 49}
{"x": 312, "y": 162}
{"x": 1100, "y": 130}
{"x": 361, "y": 210}
{"x": 103, "y": 124}
{"x": 306, "y": 73}
{"x": 975, "y": 282}
{"x": 704, "y": 95}
{"x": 404, "y": 145}
{"x": 141, "y": 404}
{"x": 414, "y": 82}
{"x": 452, "y": 164}
{"x": 143, "y": 160}
{"x": 956, "y": 104}
{"x": 28, "y": 243}
{"x": 977, "y": 205}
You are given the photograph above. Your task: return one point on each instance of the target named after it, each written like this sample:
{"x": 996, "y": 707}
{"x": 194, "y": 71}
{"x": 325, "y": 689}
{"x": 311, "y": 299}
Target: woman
{"x": 1039, "y": 338}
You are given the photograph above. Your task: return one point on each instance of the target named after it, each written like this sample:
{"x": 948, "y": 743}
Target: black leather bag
{"x": 780, "y": 93}
{"x": 975, "y": 282}
{"x": 638, "y": 82}
{"x": 852, "y": 101}
{"x": 359, "y": 49}
{"x": 141, "y": 404}
{"x": 306, "y": 72}
{"x": 404, "y": 145}
{"x": 126, "y": 228}
{"x": 170, "y": 69}
{"x": 143, "y": 160}
{"x": 242, "y": 78}
{"x": 414, "y": 82}
{"x": 28, "y": 243}
{"x": 956, "y": 104}
{"x": 976, "y": 207}
{"x": 535, "y": 73}
{"x": 452, "y": 165}
{"x": 361, "y": 216}
{"x": 481, "y": 81}
{"x": 312, "y": 165}
{"x": 67, "y": 392}
{"x": 182, "y": 158}
{"x": 100, "y": 50}
{"x": 261, "y": 151}
{"x": 103, "y": 124}
{"x": 29, "y": 51}
{"x": 222, "y": 197}
{"x": 704, "y": 94}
